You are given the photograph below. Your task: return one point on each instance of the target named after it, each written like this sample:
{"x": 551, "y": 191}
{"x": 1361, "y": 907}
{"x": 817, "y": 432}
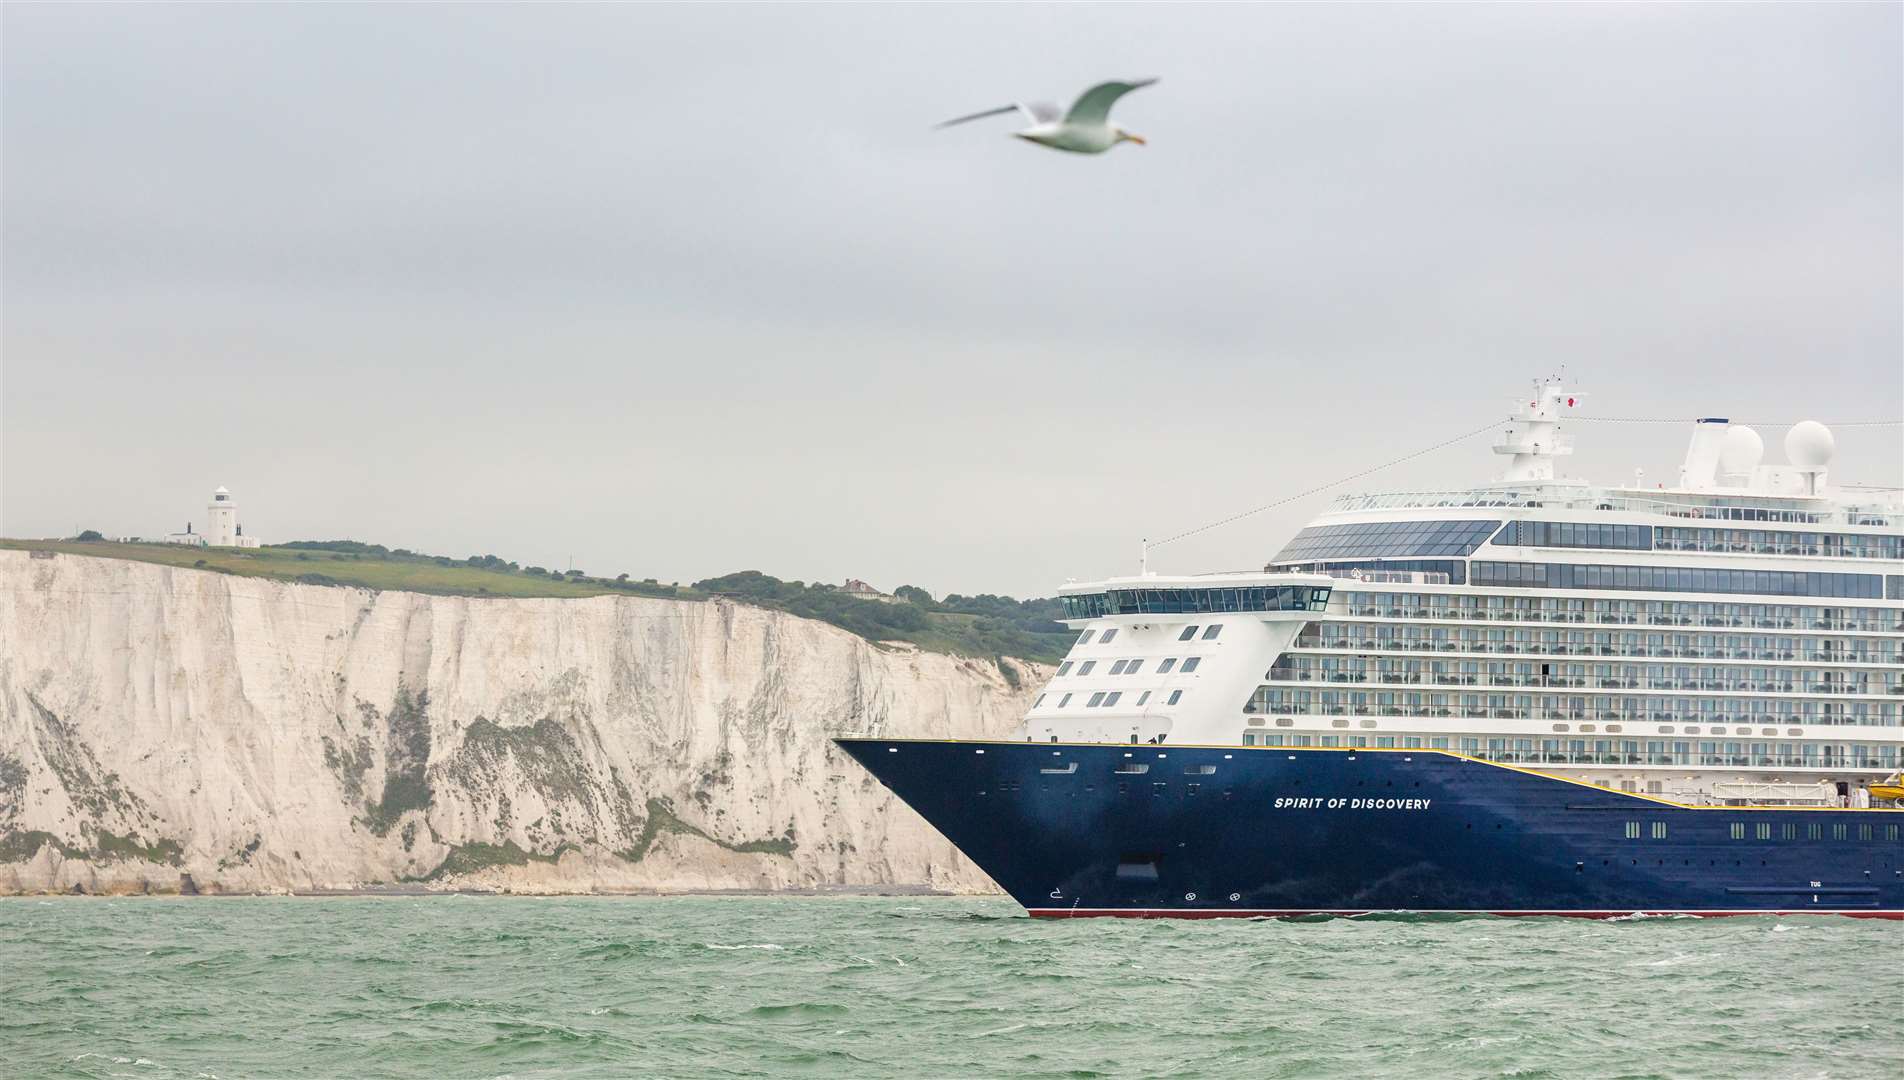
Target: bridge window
{"x": 1188, "y": 633}
{"x": 1196, "y": 601}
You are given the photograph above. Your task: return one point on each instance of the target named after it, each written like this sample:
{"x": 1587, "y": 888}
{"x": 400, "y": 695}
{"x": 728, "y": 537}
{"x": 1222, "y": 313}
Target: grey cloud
{"x": 680, "y": 289}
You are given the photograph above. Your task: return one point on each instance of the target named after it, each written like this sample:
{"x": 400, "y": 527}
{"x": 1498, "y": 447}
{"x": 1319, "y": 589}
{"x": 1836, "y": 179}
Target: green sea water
{"x": 461, "y": 986}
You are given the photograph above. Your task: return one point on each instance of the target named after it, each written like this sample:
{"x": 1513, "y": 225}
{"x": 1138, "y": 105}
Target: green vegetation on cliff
{"x": 979, "y": 626}
{"x": 963, "y": 625}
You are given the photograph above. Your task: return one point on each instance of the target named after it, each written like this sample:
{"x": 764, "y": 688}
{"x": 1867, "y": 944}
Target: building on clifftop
{"x": 223, "y": 530}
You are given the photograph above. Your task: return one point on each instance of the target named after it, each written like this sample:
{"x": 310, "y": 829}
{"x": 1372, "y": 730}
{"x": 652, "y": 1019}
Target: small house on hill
{"x": 859, "y": 590}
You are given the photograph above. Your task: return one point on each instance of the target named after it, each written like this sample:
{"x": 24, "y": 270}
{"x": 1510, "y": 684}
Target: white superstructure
{"x": 1737, "y": 637}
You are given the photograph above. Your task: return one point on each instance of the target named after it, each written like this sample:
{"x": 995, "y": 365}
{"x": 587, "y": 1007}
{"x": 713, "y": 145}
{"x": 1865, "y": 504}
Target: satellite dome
{"x": 1809, "y": 445}
{"x": 1741, "y": 451}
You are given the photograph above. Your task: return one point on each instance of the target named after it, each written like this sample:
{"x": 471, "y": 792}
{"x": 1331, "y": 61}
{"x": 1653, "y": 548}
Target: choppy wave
{"x": 730, "y": 987}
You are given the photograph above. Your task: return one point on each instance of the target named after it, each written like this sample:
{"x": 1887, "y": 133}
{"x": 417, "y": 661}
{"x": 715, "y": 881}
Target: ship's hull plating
{"x": 1241, "y": 831}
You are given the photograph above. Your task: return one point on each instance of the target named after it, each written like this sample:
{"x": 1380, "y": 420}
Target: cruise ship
{"x": 1535, "y": 697}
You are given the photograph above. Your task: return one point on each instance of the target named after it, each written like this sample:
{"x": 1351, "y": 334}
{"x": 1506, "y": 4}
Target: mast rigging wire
{"x": 1690, "y": 419}
{"x": 1483, "y": 429}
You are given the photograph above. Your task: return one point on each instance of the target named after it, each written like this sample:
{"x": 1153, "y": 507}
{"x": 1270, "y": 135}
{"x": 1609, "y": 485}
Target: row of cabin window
{"x": 1814, "y": 830}
{"x": 1619, "y": 610}
{"x": 1189, "y": 632}
{"x": 1788, "y": 830}
{"x": 1107, "y": 698}
{"x": 1780, "y": 542}
{"x": 1131, "y": 667}
{"x": 1678, "y": 579}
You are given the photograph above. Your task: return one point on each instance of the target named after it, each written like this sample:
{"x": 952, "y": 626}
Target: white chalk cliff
{"x": 158, "y": 723}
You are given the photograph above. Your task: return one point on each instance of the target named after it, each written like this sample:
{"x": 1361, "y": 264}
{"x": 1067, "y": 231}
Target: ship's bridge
{"x": 1168, "y": 657}
{"x": 1128, "y": 598}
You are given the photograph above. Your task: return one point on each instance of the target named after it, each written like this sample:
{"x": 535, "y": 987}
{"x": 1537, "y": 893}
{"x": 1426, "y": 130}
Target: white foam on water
{"x": 764, "y": 945}
{"x": 1672, "y": 961}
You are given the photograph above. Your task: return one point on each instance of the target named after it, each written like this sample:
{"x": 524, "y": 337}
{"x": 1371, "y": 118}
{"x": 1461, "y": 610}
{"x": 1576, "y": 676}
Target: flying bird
{"x": 1086, "y": 129}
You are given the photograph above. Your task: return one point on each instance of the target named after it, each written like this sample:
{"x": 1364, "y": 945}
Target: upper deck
{"x": 1871, "y": 510}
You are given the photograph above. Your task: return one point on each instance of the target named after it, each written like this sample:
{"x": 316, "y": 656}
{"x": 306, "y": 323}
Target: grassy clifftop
{"x": 987, "y": 626}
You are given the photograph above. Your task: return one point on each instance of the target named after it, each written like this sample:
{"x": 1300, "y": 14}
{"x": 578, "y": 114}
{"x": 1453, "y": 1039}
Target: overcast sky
{"x": 683, "y": 290}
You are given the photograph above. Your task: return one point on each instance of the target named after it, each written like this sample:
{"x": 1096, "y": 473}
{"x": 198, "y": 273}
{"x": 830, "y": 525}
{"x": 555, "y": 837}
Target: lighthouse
{"x": 221, "y": 527}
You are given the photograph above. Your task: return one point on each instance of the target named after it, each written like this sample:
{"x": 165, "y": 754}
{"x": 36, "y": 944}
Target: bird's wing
{"x": 1042, "y": 112}
{"x": 1094, "y": 105}
{"x": 1037, "y": 114}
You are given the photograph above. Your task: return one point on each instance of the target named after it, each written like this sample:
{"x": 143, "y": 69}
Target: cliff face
{"x": 252, "y": 734}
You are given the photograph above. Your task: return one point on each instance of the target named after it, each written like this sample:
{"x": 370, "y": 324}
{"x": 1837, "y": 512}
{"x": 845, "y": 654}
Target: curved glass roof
{"x": 1387, "y": 539}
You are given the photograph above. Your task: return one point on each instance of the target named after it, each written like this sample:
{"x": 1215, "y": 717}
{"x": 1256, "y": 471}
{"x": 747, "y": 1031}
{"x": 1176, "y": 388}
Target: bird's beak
{"x": 1138, "y": 139}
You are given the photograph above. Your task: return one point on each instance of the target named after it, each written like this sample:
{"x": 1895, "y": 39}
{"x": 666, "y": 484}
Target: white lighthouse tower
{"x": 222, "y": 528}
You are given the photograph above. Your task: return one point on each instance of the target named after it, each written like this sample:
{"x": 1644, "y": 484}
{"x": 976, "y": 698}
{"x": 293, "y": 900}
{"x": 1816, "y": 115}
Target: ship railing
{"x": 1613, "y": 623}
{"x": 1690, "y": 508}
{"x": 1787, "y": 761}
{"x": 1639, "y": 652}
{"x": 1480, "y": 712}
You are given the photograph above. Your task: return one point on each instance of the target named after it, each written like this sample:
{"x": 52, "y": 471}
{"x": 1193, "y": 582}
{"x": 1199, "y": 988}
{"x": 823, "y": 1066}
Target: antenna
{"x": 1143, "y": 557}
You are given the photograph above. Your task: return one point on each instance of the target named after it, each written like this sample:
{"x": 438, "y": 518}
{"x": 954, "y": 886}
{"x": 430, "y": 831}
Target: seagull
{"x": 1086, "y": 129}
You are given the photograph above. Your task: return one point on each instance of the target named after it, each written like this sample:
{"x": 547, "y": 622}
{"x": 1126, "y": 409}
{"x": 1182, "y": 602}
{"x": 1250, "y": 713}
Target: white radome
{"x": 1741, "y": 451}
{"x": 1085, "y": 129}
{"x": 1809, "y": 445}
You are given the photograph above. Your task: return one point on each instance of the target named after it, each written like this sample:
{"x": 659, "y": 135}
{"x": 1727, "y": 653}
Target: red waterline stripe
{"x": 1258, "y": 913}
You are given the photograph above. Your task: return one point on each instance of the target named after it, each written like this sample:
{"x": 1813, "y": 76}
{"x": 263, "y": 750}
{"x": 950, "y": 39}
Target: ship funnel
{"x": 1702, "y": 457}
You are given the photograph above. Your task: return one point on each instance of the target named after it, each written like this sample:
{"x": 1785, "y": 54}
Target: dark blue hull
{"x": 1241, "y": 831}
